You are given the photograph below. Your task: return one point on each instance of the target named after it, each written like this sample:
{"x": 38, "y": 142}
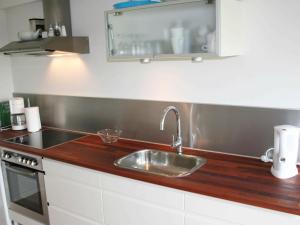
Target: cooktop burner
{"x": 45, "y": 138}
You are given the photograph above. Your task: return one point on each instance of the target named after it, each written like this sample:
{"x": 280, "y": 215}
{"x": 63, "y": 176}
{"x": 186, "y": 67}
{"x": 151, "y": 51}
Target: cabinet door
{"x": 235, "y": 213}
{"x": 73, "y": 190}
{"x": 74, "y": 198}
{"x": 60, "y": 217}
{"x": 129, "y": 38}
{"x": 153, "y": 194}
{"x": 120, "y": 210}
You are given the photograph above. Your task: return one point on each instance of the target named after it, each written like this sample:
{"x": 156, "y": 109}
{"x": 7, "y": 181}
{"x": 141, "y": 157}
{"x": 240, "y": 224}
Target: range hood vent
{"x": 55, "y": 12}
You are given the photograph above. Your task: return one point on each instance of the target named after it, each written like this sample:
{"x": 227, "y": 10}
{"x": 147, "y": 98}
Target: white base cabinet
{"x": 73, "y": 193}
{"x": 79, "y": 196}
{"x": 235, "y": 212}
{"x": 199, "y": 220}
{"x": 60, "y": 217}
{"x": 123, "y": 210}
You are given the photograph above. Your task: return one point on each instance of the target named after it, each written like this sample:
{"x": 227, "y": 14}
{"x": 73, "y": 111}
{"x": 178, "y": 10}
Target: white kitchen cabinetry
{"x": 61, "y": 217}
{"x": 140, "y": 203}
{"x": 73, "y": 194}
{"x": 120, "y": 210}
{"x": 80, "y": 196}
{"x": 199, "y": 220}
{"x": 235, "y": 213}
{"x": 175, "y": 30}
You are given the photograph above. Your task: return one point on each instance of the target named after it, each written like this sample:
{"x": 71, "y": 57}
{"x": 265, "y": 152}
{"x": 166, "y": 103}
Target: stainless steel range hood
{"x": 48, "y": 46}
{"x": 55, "y": 11}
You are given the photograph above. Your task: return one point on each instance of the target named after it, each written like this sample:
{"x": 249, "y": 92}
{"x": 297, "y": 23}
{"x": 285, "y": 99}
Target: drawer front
{"x": 20, "y": 219}
{"x": 75, "y": 198}
{"x": 197, "y": 220}
{"x": 120, "y": 210}
{"x": 151, "y": 193}
{"x": 235, "y": 212}
{"x": 61, "y": 217}
{"x": 71, "y": 172}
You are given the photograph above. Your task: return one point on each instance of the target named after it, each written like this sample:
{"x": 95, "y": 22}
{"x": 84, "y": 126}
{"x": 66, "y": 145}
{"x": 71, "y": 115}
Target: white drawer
{"x": 236, "y": 212}
{"x": 120, "y": 210}
{"x": 199, "y": 220}
{"x": 61, "y": 217}
{"x": 73, "y": 197}
{"x": 71, "y": 172}
{"x": 151, "y": 193}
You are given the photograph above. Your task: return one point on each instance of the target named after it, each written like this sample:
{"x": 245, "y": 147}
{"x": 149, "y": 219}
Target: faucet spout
{"x": 177, "y": 143}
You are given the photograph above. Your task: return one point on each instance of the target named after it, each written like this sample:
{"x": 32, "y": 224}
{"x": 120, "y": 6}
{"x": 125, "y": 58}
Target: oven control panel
{"x": 26, "y": 160}
{"x": 30, "y": 162}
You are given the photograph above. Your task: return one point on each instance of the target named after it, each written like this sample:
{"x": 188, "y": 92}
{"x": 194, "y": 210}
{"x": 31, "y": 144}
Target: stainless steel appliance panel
{"x": 24, "y": 185}
{"x": 229, "y": 129}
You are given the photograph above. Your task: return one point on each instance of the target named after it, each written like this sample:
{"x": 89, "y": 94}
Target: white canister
{"x": 178, "y": 45}
{"x": 33, "y": 119}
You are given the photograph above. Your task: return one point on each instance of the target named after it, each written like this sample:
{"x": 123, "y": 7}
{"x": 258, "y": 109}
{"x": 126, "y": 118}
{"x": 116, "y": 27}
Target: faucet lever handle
{"x": 173, "y": 140}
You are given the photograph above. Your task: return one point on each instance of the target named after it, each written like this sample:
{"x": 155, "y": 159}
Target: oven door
{"x": 25, "y": 191}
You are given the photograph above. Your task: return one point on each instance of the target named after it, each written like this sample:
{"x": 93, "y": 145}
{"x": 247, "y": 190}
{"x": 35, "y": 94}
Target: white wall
{"x": 5, "y": 67}
{"x": 268, "y": 75}
{"x": 11, "y": 3}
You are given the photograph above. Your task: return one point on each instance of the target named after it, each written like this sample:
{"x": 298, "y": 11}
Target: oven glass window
{"x": 23, "y": 185}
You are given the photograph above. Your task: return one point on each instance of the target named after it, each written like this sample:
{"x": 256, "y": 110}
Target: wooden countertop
{"x": 240, "y": 179}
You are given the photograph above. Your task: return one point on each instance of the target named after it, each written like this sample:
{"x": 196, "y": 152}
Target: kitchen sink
{"x": 162, "y": 163}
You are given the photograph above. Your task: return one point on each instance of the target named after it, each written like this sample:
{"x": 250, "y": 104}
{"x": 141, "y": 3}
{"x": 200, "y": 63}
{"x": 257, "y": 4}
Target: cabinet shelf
{"x": 174, "y": 30}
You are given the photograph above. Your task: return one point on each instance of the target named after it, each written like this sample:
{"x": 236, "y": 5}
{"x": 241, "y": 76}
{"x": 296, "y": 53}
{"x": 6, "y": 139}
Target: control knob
{"x": 7, "y": 156}
{"x": 28, "y": 162}
{"x": 20, "y": 159}
{"x": 34, "y": 163}
{"x": 24, "y": 160}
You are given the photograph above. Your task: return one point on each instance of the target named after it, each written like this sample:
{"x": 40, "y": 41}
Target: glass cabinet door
{"x": 171, "y": 29}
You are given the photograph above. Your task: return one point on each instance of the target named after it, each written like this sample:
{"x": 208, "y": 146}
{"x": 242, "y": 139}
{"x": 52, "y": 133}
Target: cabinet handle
{"x": 117, "y": 13}
{"x": 145, "y": 60}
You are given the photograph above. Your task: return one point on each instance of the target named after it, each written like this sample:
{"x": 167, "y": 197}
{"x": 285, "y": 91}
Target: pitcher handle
{"x": 268, "y": 156}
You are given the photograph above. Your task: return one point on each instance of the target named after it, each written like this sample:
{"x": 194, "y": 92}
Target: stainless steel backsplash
{"x": 229, "y": 129}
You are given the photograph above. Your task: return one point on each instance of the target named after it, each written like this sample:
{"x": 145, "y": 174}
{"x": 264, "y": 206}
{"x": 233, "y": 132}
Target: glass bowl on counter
{"x": 109, "y": 136}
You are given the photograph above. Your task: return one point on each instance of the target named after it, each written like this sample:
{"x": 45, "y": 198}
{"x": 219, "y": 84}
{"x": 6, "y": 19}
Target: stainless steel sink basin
{"x": 162, "y": 163}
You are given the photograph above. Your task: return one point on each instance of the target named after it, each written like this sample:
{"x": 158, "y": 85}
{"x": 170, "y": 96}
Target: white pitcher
{"x": 285, "y": 152}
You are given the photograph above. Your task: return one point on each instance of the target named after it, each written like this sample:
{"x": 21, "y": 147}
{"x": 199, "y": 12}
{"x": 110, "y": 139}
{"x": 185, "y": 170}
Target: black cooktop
{"x": 45, "y": 138}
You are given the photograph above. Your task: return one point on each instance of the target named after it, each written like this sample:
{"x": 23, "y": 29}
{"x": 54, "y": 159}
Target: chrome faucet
{"x": 178, "y": 142}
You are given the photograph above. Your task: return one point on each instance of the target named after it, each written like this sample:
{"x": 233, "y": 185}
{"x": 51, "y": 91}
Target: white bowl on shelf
{"x": 28, "y": 35}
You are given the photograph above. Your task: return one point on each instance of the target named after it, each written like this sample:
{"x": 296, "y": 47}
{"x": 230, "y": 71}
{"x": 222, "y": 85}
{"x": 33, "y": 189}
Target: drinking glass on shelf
{"x": 157, "y": 47}
{"x": 148, "y": 48}
{"x": 123, "y": 48}
{"x": 141, "y": 48}
{"x": 134, "y": 48}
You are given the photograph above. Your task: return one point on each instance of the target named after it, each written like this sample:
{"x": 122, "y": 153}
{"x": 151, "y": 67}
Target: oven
{"x": 24, "y": 185}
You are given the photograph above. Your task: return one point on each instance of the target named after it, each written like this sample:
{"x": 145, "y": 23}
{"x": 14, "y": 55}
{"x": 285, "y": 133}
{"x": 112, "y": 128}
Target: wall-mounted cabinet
{"x": 175, "y": 30}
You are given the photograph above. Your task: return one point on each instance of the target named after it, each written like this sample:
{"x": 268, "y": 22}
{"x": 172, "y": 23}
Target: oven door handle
{"x": 20, "y": 171}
